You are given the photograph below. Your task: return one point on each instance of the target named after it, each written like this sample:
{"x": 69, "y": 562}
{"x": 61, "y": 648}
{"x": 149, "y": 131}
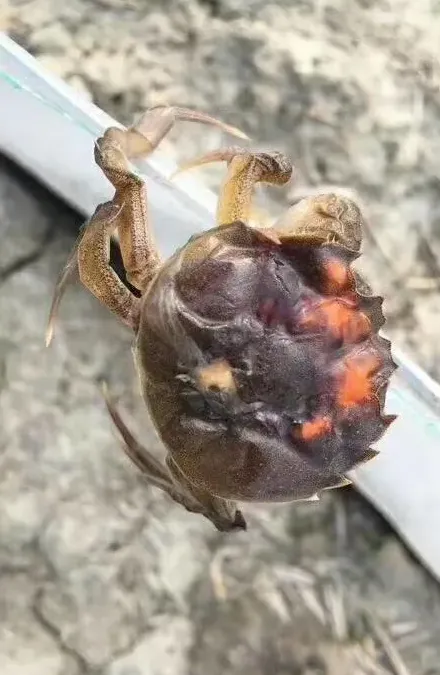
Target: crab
{"x": 257, "y": 347}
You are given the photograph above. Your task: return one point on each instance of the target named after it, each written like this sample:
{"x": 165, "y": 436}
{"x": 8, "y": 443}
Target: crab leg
{"x": 112, "y": 153}
{"x": 151, "y": 468}
{"x": 246, "y": 168}
{"x": 221, "y": 512}
{"x": 92, "y": 251}
{"x": 90, "y": 257}
{"x": 168, "y": 478}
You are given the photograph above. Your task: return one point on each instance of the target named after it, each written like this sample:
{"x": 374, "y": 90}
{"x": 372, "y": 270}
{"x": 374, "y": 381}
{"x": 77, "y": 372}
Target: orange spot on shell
{"x": 337, "y": 276}
{"x": 316, "y": 428}
{"x": 357, "y": 382}
{"x": 344, "y": 322}
{"x": 217, "y": 375}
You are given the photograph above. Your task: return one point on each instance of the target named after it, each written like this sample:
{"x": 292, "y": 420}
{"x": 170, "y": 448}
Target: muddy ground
{"x": 99, "y": 574}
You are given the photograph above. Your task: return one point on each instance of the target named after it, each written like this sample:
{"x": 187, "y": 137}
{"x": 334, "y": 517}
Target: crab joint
{"x": 217, "y": 376}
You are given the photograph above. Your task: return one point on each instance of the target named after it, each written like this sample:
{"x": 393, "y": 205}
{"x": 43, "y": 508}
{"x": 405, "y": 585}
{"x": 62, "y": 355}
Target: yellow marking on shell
{"x": 217, "y": 375}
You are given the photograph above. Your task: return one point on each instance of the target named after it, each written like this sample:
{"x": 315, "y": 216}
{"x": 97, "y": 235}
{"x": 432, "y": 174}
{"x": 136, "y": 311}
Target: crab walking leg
{"x": 169, "y": 479}
{"x": 222, "y": 513}
{"x": 326, "y": 217}
{"x": 90, "y": 258}
{"x": 95, "y": 272}
{"x": 69, "y": 270}
{"x": 113, "y": 152}
{"x": 153, "y": 470}
{"x": 246, "y": 168}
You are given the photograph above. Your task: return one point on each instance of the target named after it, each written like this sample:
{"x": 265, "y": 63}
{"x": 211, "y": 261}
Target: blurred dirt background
{"x": 101, "y": 576}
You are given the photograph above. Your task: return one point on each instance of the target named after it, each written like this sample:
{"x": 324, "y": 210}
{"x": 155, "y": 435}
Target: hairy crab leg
{"x": 113, "y": 152}
{"x": 168, "y": 478}
{"x": 221, "y": 512}
{"x": 127, "y": 213}
{"x": 153, "y": 470}
{"x": 246, "y": 168}
{"x": 92, "y": 248}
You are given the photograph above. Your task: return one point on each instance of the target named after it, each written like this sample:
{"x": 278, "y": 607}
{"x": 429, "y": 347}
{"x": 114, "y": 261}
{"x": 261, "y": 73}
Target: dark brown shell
{"x": 262, "y": 366}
